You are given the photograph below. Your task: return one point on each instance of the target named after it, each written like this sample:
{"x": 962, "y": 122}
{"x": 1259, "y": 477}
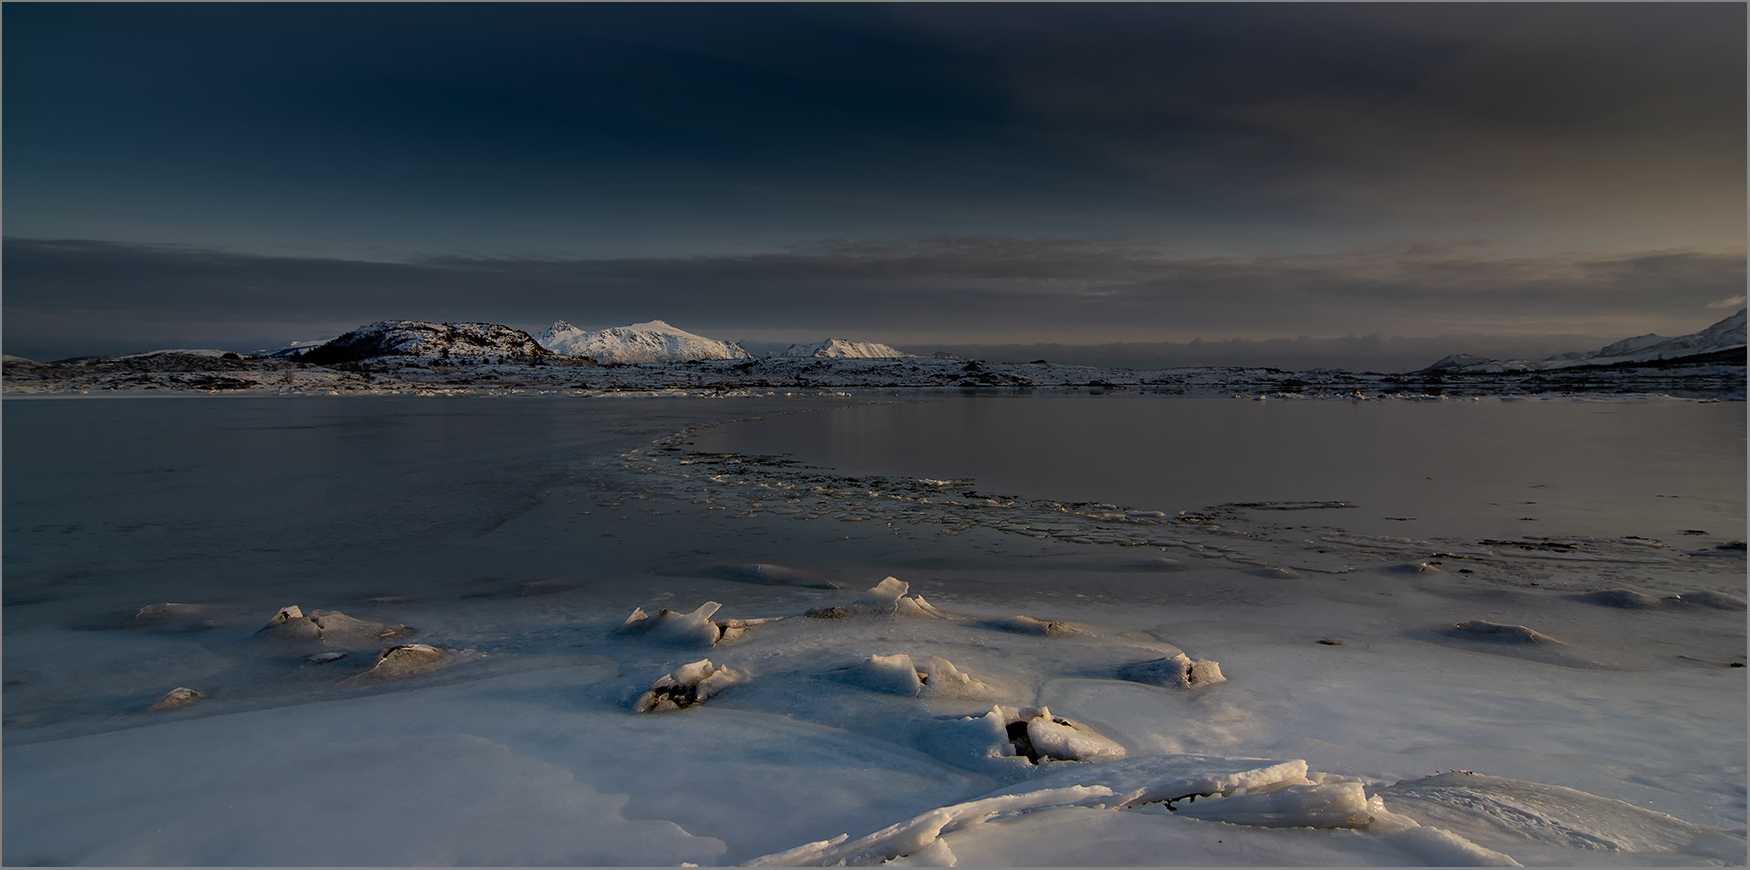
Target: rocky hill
{"x": 419, "y": 340}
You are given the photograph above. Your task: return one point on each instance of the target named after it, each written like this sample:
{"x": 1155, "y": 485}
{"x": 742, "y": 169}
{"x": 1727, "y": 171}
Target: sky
{"x": 1343, "y": 177}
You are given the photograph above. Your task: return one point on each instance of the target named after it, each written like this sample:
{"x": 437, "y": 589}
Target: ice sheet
{"x": 525, "y": 531}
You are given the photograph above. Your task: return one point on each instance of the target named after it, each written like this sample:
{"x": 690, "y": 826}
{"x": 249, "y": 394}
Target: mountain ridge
{"x": 844, "y": 348}
{"x": 1723, "y": 335}
{"x": 653, "y": 341}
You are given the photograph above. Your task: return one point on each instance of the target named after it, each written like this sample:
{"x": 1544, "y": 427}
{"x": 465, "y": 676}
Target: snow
{"x": 150, "y": 541}
{"x": 1726, "y": 334}
{"x": 651, "y": 342}
{"x": 840, "y": 348}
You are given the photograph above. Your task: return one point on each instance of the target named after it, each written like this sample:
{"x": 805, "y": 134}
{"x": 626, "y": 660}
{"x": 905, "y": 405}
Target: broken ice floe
{"x": 1179, "y": 670}
{"x": 330, "y": 627}
{"x": 887, "y": 597}
{"x": 688, "y": 685}
{"x": 1320, "y": 805}
{"x": 176, "y": 699}
{"x": 1033, "y": 733}
{"x": 407, "y": 660}
{"x": 696, "y": 628}
{"x": 892, "y": 674}
{"x": 897, "y": 675}
{"x": 1237, "y": 791}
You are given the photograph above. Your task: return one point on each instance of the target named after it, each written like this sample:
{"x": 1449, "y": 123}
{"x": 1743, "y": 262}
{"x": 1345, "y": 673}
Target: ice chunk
{"x": 944, "y": 680}
{"x": 176, "y": 699}
{"x": 285, "y": 614}
{"x": 637, "y": 621}
{"x": 1063, "y": 739}
{"x": 894, "y": 674}
{"x": 1334, "y": 805}
{"x": 1029, "y": 625}
{"x": 922, "y": 832}
{"x": 1433, "y": 846}
{"x": 887, "y": 597}
{"x": 886, "y": 594}
{"x": 688, "y": 685}
{"x": 696, "y": 628}
{"x": 337, "y": 628}
{"x": 290, "y": 623}
{"x": 1167, "y": 778}
{"x": 331, "y": 627}
{"x": 401, "y": 662}
{"x": 1178, "y": 670}
{"x": 916, "y": 606}
{"x": 985, "y": 736}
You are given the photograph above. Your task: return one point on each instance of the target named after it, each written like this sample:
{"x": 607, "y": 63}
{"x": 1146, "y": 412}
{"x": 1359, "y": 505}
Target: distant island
{"x": 423, "y": 357}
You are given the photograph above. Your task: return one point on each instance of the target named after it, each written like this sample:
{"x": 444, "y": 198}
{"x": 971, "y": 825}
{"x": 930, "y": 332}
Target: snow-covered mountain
{"x": 1727, "y": 334}
{"x": 839, "y": 348}
{"x": 652, "y": 342}
{"x": 421, "y": 340}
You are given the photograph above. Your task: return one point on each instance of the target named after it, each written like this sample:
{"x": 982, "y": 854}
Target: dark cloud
{"x": 1581, "y": 113}
{"x": 67, "y": 297}
{"x": 593, "y": 129}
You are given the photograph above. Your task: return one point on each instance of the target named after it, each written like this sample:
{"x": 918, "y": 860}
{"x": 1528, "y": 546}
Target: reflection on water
{"x": 1470, "y": 469}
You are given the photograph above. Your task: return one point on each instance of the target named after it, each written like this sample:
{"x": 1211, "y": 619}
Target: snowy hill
{"x": 1727, "y": 334}
{"x": 289, "y": 348}
{"x": 651, "y": 342}
{"x": 421, "y": 340}
{"x": 839, "y": 348}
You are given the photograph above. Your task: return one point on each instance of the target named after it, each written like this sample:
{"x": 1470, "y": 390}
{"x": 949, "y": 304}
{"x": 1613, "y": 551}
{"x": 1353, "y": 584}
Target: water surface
{"x": 1471, "y": 469}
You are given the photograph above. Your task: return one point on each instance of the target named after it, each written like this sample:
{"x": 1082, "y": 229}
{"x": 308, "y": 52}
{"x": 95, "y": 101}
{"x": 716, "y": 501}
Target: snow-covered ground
{"x": 1363, "y": 699}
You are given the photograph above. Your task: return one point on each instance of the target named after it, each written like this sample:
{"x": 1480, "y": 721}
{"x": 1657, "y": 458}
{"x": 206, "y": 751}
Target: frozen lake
{"x": 520, "y": 532}
{"x": 1474, "y": 468}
